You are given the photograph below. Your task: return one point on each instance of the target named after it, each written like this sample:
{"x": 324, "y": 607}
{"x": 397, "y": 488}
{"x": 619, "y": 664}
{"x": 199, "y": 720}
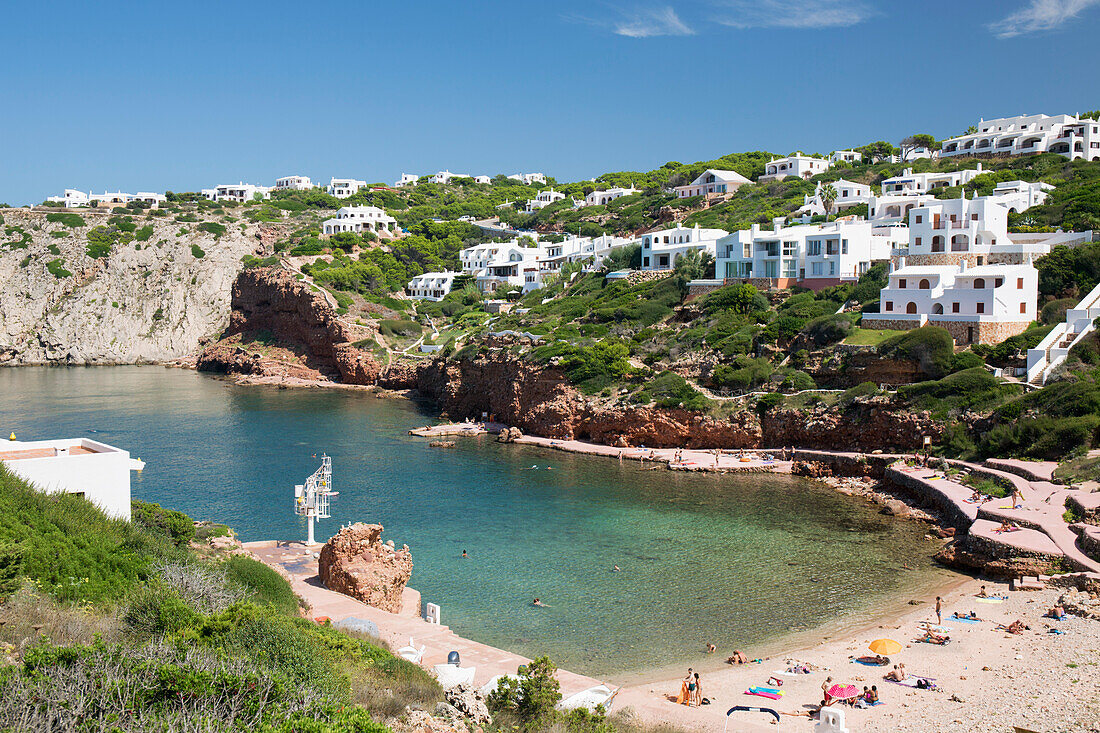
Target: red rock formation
{"x": 357, "y": 563}
{"x": 271, "y": 301}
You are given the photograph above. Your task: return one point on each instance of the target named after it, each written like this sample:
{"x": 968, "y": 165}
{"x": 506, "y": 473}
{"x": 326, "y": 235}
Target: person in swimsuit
{"x": 696, "y": 691}
{"x": 464, "y": 554}
{"x": 939, "y": 610}
{"x": 538, "y": 603}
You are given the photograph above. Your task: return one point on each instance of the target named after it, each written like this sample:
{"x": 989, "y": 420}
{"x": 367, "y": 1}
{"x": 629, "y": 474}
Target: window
{"x": 844, "y": 247}
{"x": 889, "y": 306}
{"x": 901, "y": 283}
{"x": 1023, "y": 307}
{"x": 917, "y": 219}
{"x": 789, "y": 248}
{"x": 790, "y": 268}
{"x": 1019, "y": 283}
{"x": 917, "y": 241}
{"x": 816, "y": 268}
{"x": 981, "y": 307}
{"x": 954, "y": 307}
{"x": 973, "y": 217}
{"x": 979, "y": 283}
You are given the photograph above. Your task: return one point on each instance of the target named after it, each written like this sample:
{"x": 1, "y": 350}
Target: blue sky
{"x": 180, "y": 96}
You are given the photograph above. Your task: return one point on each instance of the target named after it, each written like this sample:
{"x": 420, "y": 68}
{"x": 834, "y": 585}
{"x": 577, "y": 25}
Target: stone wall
{"x": 643, "y": 276}
{"x": 985, "y": 332}
{"x": 926, "y": 491}
{"x": 889, "y": 324}
{"x": 954, "y": 258}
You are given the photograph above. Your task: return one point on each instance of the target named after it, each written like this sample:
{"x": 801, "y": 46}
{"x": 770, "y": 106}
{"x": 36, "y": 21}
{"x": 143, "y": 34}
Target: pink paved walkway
{"x": 397, "y": 629}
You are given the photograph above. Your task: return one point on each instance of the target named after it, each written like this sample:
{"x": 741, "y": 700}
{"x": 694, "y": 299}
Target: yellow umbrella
{"x": 885, "y": 647}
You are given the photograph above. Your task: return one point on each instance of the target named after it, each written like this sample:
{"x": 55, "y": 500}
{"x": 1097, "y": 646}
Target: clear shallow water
{"x": 738, "y": 561}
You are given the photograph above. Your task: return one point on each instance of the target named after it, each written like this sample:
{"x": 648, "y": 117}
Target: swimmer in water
{"x": 616, "y": 569}
{"x": 464, "y": 554}
{"x": 538, "y": 603}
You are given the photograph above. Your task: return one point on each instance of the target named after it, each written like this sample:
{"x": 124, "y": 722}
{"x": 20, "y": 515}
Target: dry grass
{"x": 61, "y": 623}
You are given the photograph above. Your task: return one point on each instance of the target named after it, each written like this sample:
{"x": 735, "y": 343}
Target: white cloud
{"x": 651, "y": 22}
{"x": 793, "y": 13}
{"x": 1040, "y": 15}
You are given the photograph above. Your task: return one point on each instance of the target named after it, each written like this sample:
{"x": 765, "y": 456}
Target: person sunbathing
{"x": 881, "y": 660}
{"x": 872, "y": 696}
{"x": 897, "y": 674}
{"x": 1006, "y": 526}
{"x": 738, "y": 657}
{"x": 931, "y": 637}
{"x": 1016, "y": 627}
{"x": 966, "y": 616}
{"x": 1057, "y": 613}
{"x": 982, "y": 593}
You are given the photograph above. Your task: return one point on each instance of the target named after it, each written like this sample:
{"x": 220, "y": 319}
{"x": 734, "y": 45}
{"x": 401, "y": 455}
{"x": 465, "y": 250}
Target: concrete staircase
{"x": 1052, "y": 350}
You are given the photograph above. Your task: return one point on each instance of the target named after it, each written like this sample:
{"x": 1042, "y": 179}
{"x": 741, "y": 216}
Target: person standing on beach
{"x": 939, "y": 610}
{"x": 698, "y": 691}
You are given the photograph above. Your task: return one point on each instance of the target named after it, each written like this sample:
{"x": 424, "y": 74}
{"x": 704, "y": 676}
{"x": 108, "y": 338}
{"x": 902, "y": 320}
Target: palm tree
{"x": 828, "y": 196}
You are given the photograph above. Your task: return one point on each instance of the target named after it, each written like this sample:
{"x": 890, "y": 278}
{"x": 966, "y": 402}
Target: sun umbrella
{"x": 843, "y": 692}
{"x": 886, "y": 647}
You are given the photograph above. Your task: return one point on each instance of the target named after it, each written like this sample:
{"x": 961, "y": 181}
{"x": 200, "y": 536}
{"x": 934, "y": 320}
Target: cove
{"x": 740, "y": 561}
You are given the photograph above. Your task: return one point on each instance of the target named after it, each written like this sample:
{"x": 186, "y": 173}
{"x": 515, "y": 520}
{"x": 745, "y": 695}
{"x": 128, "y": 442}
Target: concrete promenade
{"x": 397, "y": 629}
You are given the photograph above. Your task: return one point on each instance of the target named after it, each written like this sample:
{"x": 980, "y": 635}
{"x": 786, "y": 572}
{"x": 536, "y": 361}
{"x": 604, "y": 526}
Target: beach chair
{"x": 411, "y": 653}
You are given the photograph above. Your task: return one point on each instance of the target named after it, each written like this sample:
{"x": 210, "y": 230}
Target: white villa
{"x": 662, "y": 249}
{"x": 909, "y": 183}
{"x": 407, "y": 179}
{"x": 813, "y": 256}
{"x": 543, "y": 198}
{"x": 341, "y": 188}
{"x": 1022, "y": 195}
{"x": 78, "y": 199}
{"x": 602, "y": 198}
{"x": 894, "y": 208}
{"x": 848, "y": 156}
{"x": 72, "y": 199}
{"x": 431, "y": 285}
{"x": 360, "y": 219}
{"x": 445, "y": 177}
{"x": 482, "y": 179}
{"x": 984, "y": 304}
{"x": 239, "y": 192}
{"x": 711, "y": 182}
{"x": 496, "y": 264}
{"x": 848, "y": 194}
{"x": 528, "y": 178}
{"x": 96, "y": 471}
{"x": 1076, "y": 139}
{"x": 977, "y": 226}
{"x": 293, "y": 183}
{"x": 800, "y": 166}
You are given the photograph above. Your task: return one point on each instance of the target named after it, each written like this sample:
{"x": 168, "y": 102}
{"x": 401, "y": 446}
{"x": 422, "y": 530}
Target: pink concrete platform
{"x": 1028, "y": 540}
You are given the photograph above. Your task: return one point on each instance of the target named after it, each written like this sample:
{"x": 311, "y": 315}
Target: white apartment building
{"x": 910, "y": 183}
{"x": 77, "y": 199}
{"x": 712, "y": 182}
{"x": 848, "y": 194}
{"x": 662, "y": 249}
{"x": 407, "y": 179}
{"x": 894, "y": 208}
{"x": 239, "y": 192}
{"x": 543, "y": 198}
{"x": 96, "y": 471}
{"x": 360, "y": 219}
{"x": 1076, "y": 139}
{"x": 293, "y": 183}
{"x": 984, "y": 304}
{"x": 603, "y": 198}
{"x": 431, "y": 285}
{"x": 977, "y": 226}
{"x": 148, "y": 197}
{"x": 1020, "y": 196}
{"x": 810, "y": 255}
{"x": 800, "y": 166}
{"x": 848, "y": 156}
{"x": 341, "y": 188}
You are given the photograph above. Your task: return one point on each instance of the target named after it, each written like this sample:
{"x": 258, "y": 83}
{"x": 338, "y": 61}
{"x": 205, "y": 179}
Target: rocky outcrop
{"x": 469, "y": 703}
{"x": 153, "y": 300}
{"x": 968, "y": 554}
{"x": 357, "y": 563}
{"x": 271, "y": 305}
{"x": 842, "y": 368}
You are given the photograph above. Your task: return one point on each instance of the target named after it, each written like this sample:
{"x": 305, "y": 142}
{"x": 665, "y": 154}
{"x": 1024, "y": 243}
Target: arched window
{"x": 924, "y": 284}
{"x": 911, "y": 308}
{"x": 979, "y": 283}
{"x": 937, "y": 243}
{"x": 937, "y": 309}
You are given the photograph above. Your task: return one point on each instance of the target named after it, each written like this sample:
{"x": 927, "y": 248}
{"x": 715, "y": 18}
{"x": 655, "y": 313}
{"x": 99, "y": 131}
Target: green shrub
{"x": 197, "y": 252}
{"x": 743, "y": 298}
{"x": 400, "y": 328}
{"x": 829, "y": 329}
{"x": 669, "y": 390}
{"x": 265, "y": 585}
{"x": 144, "y": 234}
{"x": 1055, "y": 311}
{"x": 176, "y": 526}
{"x": 211, "y": 227}
{"x": 861, "y": 390}
{"x": 531, "y": 696}
{"x": 57, "y": 269}
{"x": 745, "y": 373}
{"x": 155, "y": 609}
{"x": 67, "y": 218}
{"x": 768, "y": 402}
{"x": 929, "y": 346}
{"x": 11, "y": 568}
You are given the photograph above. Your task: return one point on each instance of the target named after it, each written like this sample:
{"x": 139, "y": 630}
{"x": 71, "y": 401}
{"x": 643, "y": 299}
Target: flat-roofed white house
{"x": 528, "y": 178}
{"x": 360, "y": 219}
{"x": 431, "y": 285}
{"x": 662, "y": 249}
{"x": 149, "y": 197}
{"x": 1066, "y": 135}
{"x": 482, "y": 179}
{"x": 71, "y": 198}
{"x": 446, "y": 176}
{"x": 1020, "y": 196}
{"x": 984, "y": 304}
{"x": 848, "y": 194}
{"x": 603, "y": 198}
{"x": 848, "y": 156}
{"x": 407, "y": 179}
{"x": 799, "y": 166}
{"x": 894, "y": 208}
{"x": 910, "y": 183}
{"x": 712, "y": 182}
{"x": 342, "y": 188}
{"x": 293, "y": 183}
{"x": 94, "y": 470}
{"x": 239, "y": 192}
{"x": 814, "y": 256}
{"x": 543, "y": 198}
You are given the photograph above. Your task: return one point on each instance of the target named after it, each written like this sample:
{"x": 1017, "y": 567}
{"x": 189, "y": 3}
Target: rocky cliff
{"x": 357, "y": 563}
{"x": 281, "y": 327}
{"x": 145, "y": 300}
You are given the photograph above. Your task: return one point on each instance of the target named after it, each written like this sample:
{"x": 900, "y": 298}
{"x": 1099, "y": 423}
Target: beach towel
{"x": 869, "y": 662}
{"x": 990, "y": 600}
{"x": 770, "y": 690}
{"x": 1055, "y": 631}
{"x": 682, "y": 698}
{"x": 934, "y": 627}
{"x": 966, "y": 620}
{"x": 768, "y": 695}
{"x": 911, "y": 682}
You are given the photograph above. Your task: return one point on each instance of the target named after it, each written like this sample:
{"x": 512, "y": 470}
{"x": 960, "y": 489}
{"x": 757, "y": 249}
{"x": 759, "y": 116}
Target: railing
{"x": 1053, "y": 350}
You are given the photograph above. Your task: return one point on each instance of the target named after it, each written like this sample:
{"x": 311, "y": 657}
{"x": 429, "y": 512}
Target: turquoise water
{"x": 738, "y": 561}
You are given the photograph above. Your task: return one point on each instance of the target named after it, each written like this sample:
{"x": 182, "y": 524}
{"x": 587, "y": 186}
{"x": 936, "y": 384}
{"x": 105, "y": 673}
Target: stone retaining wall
{"x": 1018, "y": 470}
{"x": 1088, "y": 539}
{"x": 643, "y": 276}
{"x": 950, "y": 512}
{"x": 1001, "y": 551}
{"x": 844, "y": 465}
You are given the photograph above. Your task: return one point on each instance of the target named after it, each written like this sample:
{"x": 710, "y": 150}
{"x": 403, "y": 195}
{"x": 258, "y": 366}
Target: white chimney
{"x": 962, "y": 265}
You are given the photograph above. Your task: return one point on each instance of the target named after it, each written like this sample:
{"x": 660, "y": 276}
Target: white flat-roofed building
{"x": 810, "y": 255}
{"x": 118, "y": 198}
{"x": 148, "y": 197}
{"x": 894, "y": 208}
{"x": 446, "y": 176}
{"x": 910, "y": 183}
{"x": 712, "y": 182}
{"x": 293, "y": 183}
{"x": 360, "y": 219}
{"x": 848, "y": 194}
{"x": 1020, "y": 196}
{"x": 96, "y": 471}
{"x": 848, "y": 156}
{"x": 799, "y": 166}
{"x": 71, "y": 198}
{"x": 662, "y": 249}
{"x": 528, "y": 179}
{"x": 603, "y": 198}
{"x": 1066, "y": 135}
{"x": 977, "y": 226}
{"x": 984, "y": 304}
{"x": 407, "y": 179}
{"x": 431, "y": 285}
{"x": 482, "y": 179}
{"x": 239, "y": 192}
{"x": 543, "y": 198}
{"x": 341, "y": 188}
